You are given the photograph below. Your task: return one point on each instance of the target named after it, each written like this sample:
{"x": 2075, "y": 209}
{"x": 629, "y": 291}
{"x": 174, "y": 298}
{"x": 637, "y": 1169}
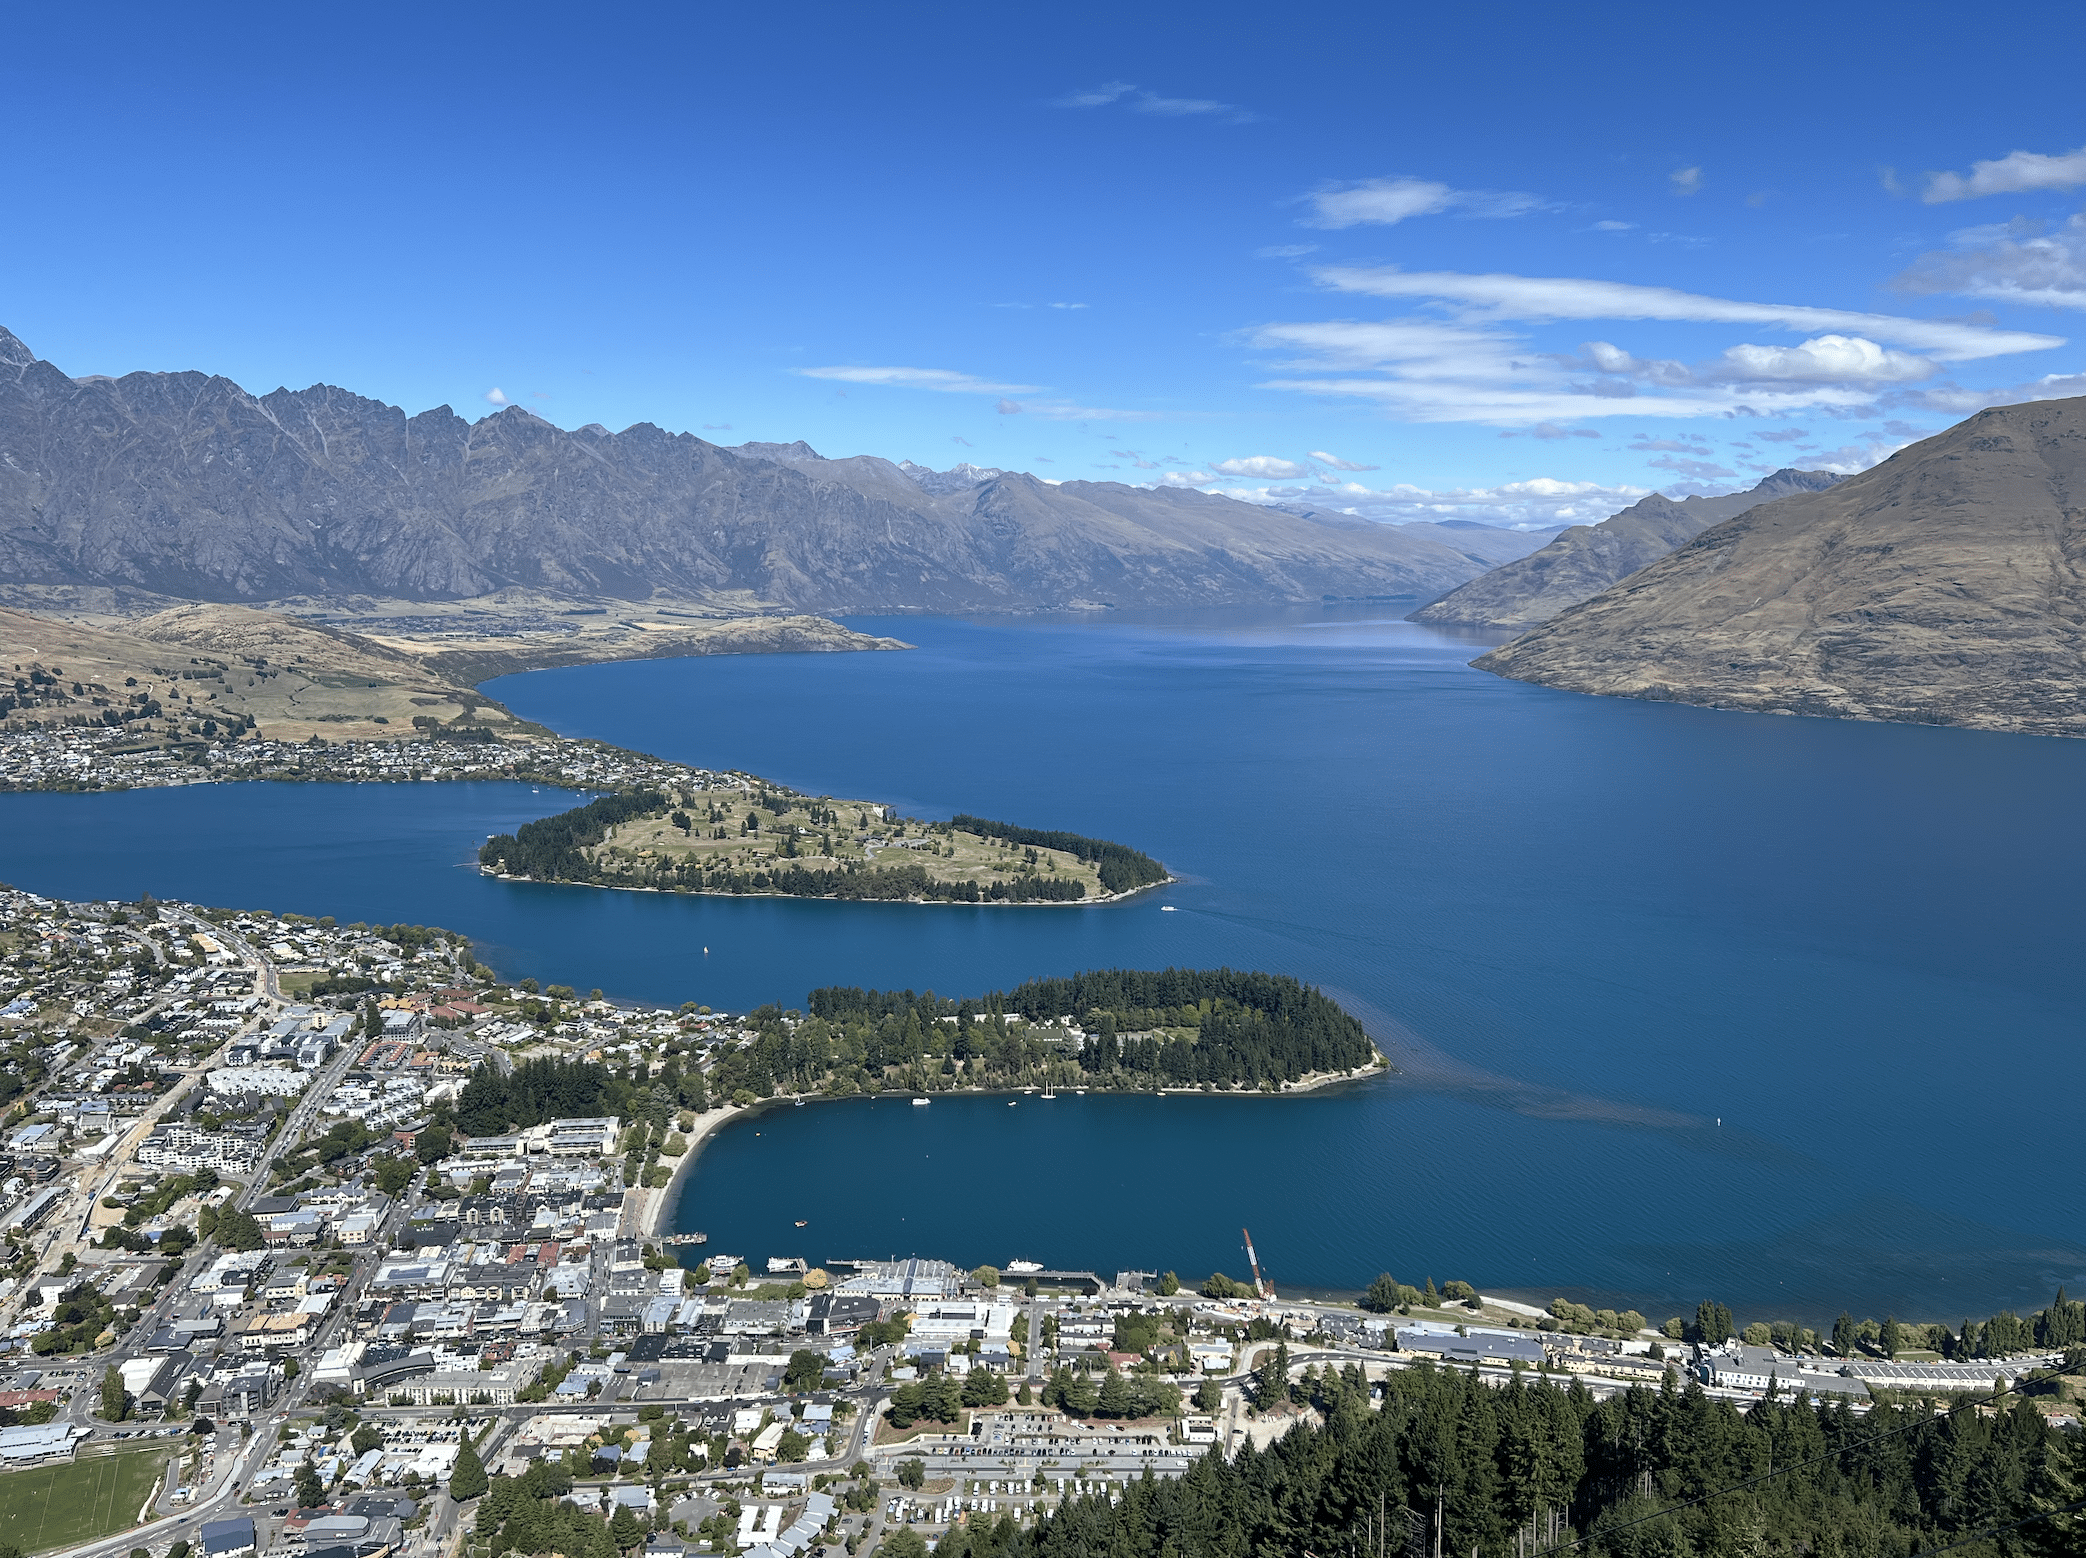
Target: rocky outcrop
{"x": 1587, "y": 559}
{"x": 1944, "y": 586}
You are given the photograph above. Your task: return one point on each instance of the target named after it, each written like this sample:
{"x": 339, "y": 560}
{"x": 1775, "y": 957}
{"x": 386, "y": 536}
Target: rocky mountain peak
{"x": 955, "y": 479}
{"x": 783, "y": 454}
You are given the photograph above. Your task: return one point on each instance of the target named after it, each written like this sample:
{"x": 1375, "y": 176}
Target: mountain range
{"x": 1587, "y": 559}
{"x": 156, "y": 487}
{"x": 1946, "y": 585}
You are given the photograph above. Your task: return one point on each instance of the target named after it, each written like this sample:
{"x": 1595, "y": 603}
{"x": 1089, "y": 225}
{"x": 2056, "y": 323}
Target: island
{"x": 735, "y": 834}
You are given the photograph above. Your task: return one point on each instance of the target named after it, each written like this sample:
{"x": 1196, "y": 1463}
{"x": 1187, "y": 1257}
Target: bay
{"x": 1685, "y": 1003}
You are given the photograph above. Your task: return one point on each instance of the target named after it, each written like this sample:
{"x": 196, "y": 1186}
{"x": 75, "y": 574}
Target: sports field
{"x": 56, "y": 1506}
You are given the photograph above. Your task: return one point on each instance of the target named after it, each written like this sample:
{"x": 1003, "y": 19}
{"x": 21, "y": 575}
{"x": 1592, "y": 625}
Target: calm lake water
{"x": 1685, "y": 1003}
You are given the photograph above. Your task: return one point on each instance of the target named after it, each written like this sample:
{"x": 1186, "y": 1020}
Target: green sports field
{"x": 56, "y": 1506}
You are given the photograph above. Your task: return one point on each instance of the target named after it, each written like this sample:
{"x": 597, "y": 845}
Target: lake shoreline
{"x": 644, "y": 1219}
{"x": 918, "y": 903}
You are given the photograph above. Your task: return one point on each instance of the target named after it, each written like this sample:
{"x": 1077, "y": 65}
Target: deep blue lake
{"x": 1686, "y": 1003}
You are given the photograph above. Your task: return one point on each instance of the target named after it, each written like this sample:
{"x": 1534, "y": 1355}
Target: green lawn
{"x": 56, "y": 1506}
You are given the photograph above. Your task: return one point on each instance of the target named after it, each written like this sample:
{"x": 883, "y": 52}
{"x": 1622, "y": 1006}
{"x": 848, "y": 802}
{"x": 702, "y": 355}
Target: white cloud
{"x": 1613, "y": 227}
{"x": 1264, "y": 465}
{"x": 1540, "y": 503}
{"x": 2017, "y": 262}
{"x": 1127, "y": 94}
{"x": 1784, "y": 435}
{"x": 496, "y": 396}
{"x": 1285, "y": 251}
{"x": 1337, "y": 463}
{"x": 946, "y": 380}
{"x": 1685, "y": 181}
{"x": 949, "y": 382}
{"x": 1068, "y": 305}
{"x": 1824, "y": 359}
{"x": 1504, "y": 296}
{"x": 1430, "y": 370}
{"x": 1385, "y": 202}
{"x": 2015, "y": 173}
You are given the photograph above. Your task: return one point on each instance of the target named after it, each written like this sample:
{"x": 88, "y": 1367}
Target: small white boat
{"x": 919, "y": 1103}
{"x": 1166, "y": 908}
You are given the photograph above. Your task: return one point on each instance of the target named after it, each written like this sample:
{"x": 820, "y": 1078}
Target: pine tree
{"x": 1843, "y": 1334}
{"x": 467, "y": 1479}
{"x": 1115, "y": 1395}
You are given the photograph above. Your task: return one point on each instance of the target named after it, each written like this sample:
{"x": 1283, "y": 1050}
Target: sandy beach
{"x": 644, "y": 1211}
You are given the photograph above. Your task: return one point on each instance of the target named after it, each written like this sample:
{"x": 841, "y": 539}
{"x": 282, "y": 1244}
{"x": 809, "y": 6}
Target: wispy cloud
{"x": 948, "y": 381}
{"x": 945, "y": 380}
{"x": 1386, "y": 201}
{"x": 1783, "y": 435}
{"x": 1476, "y": 367}
{"x": 2017, "y": 262}
{"x": 1685, "y": 181}
{"x": 1957, "y": 401}
{"x": 496, "y": 396}
{"x": 1505, "y": 296}
{"x": 1699, "y": 470}
{"x": 1285, "y": 251}
{"x": 1550, "y": 431}
{"x": 2015, "y": 173}
{"x": 1138, "y": 100}
{"x": 1337, "y": 463}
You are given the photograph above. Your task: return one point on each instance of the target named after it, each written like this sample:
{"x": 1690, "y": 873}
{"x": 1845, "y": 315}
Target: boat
{"x": 1023, "y": 1268}
{"x": 1012, "y": 1102}
{"x": 800, "y": 1222}
{"x": 919, "y": 1103}
{"x": 800, "y": 1103}
{"x": 1166, "y": 908}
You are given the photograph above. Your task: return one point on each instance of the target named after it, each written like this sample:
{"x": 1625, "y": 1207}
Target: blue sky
{"x": 1515, "y": 264}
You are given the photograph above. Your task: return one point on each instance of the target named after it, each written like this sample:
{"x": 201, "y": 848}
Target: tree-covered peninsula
{"x": 743, "y": 835}
{"x": 1219, "y": 1029}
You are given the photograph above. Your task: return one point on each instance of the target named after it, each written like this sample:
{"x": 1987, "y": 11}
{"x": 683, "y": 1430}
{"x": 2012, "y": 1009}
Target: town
{"x": 309, "y": 1251}
{"x": 93, "y": 756}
